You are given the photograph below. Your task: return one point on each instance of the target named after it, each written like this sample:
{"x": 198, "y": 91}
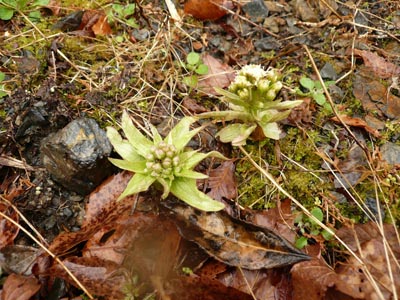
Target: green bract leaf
{"x": 231, "y": 97}
{"x": 227, "y": 115}
{"x": 138, "y": 141}
{"x": 137, "y": 184}
{"x": 186, "y": 190}
{"x": 307, "y": 83}
{"x": 133, "y": 166}
{"x": 271, "y": 130}
{"x": 181, "y": 134}
{"x": 123, "y": 148}
{"x": 190, "y": 159}
{"x": 237, "y": 134}
{"x": 190, "y": 174}
{"x": 157, "y": 138}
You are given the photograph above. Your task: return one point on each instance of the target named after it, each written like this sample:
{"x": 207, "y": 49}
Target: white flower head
{"x": 255, "y": 72}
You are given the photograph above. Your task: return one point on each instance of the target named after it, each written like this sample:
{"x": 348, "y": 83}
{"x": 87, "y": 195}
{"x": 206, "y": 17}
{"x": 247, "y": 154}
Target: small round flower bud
{"x": 159, "y": 153}
{"x": 243, "y": 94}
{"x": 167, "y": 162}
{"x": 175, "y": 161}
{"x": 277, "y": 86}
{"x": 156, "y": 167}
{"x": 271, "y": 95}
{"x": 149, "y": 164}
{"x": 273, "y": 75}
{"x": 150, "y": 157}
{"x": 170, "y": 154}
{"x": 263, "y": 85}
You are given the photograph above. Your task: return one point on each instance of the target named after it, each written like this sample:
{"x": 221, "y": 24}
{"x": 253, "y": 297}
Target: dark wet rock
{"x": 391, "y": 153}
{"x": 256, "y": 10}
{"x": 35, "y": 117}
{"x": 328, "y": 72}
{"x": 371, "y": 203}
{"x": 76, "y": 156}
{"x": 267, "y": 43}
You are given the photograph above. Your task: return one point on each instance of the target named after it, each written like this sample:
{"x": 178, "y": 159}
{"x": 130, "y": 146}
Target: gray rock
{"x": 256, "y": 9}
{"x": 76, "y": 156}
{"x": 391, "y": 153}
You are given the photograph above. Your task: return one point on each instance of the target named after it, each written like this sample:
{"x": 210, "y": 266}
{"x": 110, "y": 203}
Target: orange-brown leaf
{"x": 379, "y": 65}
{"x": 357, "y": 122}
{"x": 207, "y": 9}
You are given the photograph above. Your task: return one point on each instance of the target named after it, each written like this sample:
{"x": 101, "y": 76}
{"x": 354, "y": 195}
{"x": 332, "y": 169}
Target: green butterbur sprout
{"x": 163, "y": 160}
{"x": 252, "y": 101}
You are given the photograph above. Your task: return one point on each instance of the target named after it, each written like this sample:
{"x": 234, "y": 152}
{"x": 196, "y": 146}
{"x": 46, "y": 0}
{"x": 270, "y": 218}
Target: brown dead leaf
{"x": 379, "y": 65}
{"x": 311, "y": 280}
{"x": 222, "y": 181}
{"x": 219, "y": 75}
{"x": 102, "y": 209}
{"x": 233, "y": 241}
{"x": 193, "y": 106}
{"x": 357, "y": 122}
{"x": 279, "y": 219}
{"x": 95, "y": 22}
{"x": 207, "y": 9}
{"x": 98, "y": 276}
{"x": 18, "y": 287}
{"x": 18, "y": 259}
{"x": 8, "y": 231}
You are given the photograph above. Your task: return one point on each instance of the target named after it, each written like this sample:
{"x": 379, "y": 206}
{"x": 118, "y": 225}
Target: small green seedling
{"x": 252, "y": 99}
{"x": 122, "y": 14}
{"x": 165, "y": 161}
{"x": 315, "y": 90}
{"x": 308, "y": 227}
{"x": 195, "y": 66}
{"x": 3, "y": 91}
{"x": 9, "y": 7}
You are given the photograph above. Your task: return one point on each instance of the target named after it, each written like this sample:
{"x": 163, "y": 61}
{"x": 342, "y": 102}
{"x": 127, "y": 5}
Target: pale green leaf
{"x": 186, "y": 190}
{"x": 181, "y": 134}
{"x": 166, "y": 186}
{"x": 138, "y": 141}
{"x": 2, "y": 76}
{"x": 191, "y": 174}
{"x": 137, "y": 184}
{"x": 232, "y": 97}
{"x": 227, "y": 115}
{"x": 282, "y": 105}
{"x": 202, "y": 69}
{"x": 301, "y": 242}
{"x": 270, "y": 130}
{"x": 317, "y": 213}
{"x": 6, "y": 13}
{"x": 237, "y": 134}
{"x": 133, "y": 166}
{"x": 191, "y": 81}
{"x": 190, "y": 159}
{"x": 272, "y": 115}
{"x": 122, "y": 147}
{"x": 156, "y": 136}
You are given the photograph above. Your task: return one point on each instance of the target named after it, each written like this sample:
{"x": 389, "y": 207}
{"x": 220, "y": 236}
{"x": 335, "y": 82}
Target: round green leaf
{"x": 193, "y": 58}
{"x": 202, "y": 69}
{"x": 307, "y": 83}
{"x": 319, "y": 98}
{"x": 301, "y": 242}
{"x": 317, "y": 213}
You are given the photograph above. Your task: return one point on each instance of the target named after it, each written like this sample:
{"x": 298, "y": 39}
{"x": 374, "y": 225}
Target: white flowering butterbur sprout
{"x": 163, "y": 160}
{"x": 252, "y": 100}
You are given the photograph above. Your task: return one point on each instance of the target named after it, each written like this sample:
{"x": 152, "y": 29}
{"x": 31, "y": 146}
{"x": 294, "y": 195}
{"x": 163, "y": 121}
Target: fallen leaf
{"x": 101, "y": 27}
{"x": 219, "y": 75}
{"x": 311, "y": 280}
{"x": 357, "y": 122}
{"x": 233, "y": 241}
{"x": 222, "y": 181}
{"x": 379, "y": 65}
{"x": 8, "y": 231}
{"x": 18, "y": 259}
{"x": 99, "y": 277}
{"x": 102, "y": 209}
{"x": 207, "y": 9}
{"x": 19, "y": 287}
{"x": 193, "y": 106}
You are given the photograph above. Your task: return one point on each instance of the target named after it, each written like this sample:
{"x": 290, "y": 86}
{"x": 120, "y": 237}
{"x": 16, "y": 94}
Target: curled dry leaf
{"x": 207, "y": 9}
{"x": 233, "y": 241}
{"x": 357, "y": 122}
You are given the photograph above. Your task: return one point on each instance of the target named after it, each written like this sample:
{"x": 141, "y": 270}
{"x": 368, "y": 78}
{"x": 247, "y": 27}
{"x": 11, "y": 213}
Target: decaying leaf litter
{"x": 340, "y": 164}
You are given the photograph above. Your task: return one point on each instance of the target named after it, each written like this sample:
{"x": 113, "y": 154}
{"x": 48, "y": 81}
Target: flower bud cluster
{"x": 253, "y": 79}
{"x": 162, "y": 160}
